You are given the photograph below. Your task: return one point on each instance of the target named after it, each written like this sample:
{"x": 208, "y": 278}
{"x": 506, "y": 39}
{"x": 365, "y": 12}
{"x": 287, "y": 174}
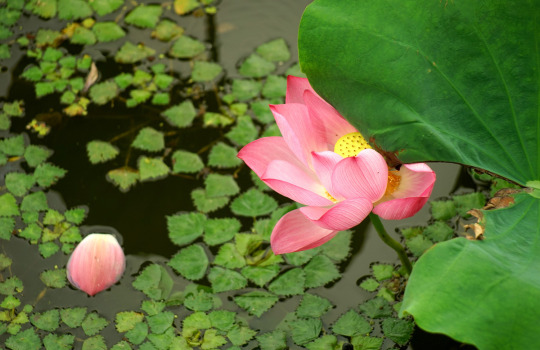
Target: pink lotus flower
{"x": 323, "y": 162}
{"x": 97, "y": 263}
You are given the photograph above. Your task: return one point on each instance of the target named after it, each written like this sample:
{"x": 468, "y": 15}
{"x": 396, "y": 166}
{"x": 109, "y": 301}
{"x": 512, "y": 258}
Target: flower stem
{"x": 392, "y": 243}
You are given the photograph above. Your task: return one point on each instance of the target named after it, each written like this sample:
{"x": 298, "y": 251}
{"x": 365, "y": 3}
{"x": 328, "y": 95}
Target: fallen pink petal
{"x": 323, "y": 162}
{"x": 97, "y": 263}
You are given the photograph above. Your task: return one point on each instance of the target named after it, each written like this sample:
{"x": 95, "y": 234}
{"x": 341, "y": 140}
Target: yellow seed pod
{"x": 351, "y": 144}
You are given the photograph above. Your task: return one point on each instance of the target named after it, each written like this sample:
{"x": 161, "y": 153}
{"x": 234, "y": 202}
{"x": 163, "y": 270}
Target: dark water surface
{"x": 139, "y": 215}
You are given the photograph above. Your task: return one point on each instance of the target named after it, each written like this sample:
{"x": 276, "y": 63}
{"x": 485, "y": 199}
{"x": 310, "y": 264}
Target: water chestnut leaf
{"x": 253, "y": 203}
{"x": 141, "y": 78}
{"x": 19, "y": 183}
{"x": 12, "y": 285}
{"x": 68, "y": 98}
{"x": 5, "y": 33}
{"x": 31, "y": 232}
{"x": 223, "y": 320}
{"x": 124, "y": 177}
{"x": 108, "y": 31}
{"x": 320, "y": 271}
{"x": 220, "y": 185}
{"x": 52, "y": 54}
{"x": 5, "y": 261}
{"x": 190, "y": 262}
{"x": 351, "y": 324}
{"x": 14, "y": 109}
{"x": 4, "y": 52}
{"x": 212, "y": 340}
{"x": 197, "y": 320}
{"x": 443, "y": 210}
{"x": 256, "y": 67}
{"x": 27, "y": 339}
{"x": 48, "y": 37}
{"x": 181, "y": 115}
{"x": 182, "y": 7}
{"x": 160, "y": 322}
{"x": 376, "y": 308}
{"x": 5, "y": 123}
{"x": 313, "y": 306}
{"x": 154, "y": 281}
{"x": 73, "y": 9}
{"x": 262, "y": 111}
{"x": 144, "y": 16}
{"x": 207, "y": 204}
{"x": 186, "y": 162}
{"x": 149, "y": 139}
{"x": 130, "y": 53}
{"x": 243, "y": 132}
{"x": 335, "y": 249}
{"x": 275, "y": 50}
{"x": 257, "y": 302}
{"x": 163, "y": 81}
{"x": 54, "y": 278}
{"x": 121, "y": 345}
{"x": 326, "y": 342}
{"x": 138, "y": 333}
{"x": 152, "y": 168}
{"x": 223, "y": 280}
{"x": 275, "y": 340}
{"x": 83, "y": 36}
{"x": 216, "y": 119}
{"x": 369, "y": 284}
{"x": 186, "y": 47}
{"x": 289, "y": 283}
{"x": 96, "y": 342}
{"x": 274, "y": 87}
{"x": 8, "y": 207}
{"x": 185, "y": 228}
{"x": 160, "y": 341}
{"x": 36, "y": 201}
{"x": 100, "y": 151}
{"x": 245, "y": 89}
{"x": 161, "y": 99}
{"x": 200, "y": 301}
{"x": 75, "y": 215}
{"x": 32, "y": 73}
{"x": 367, "y": 343}
{"x": 438, "y": 231}
{"x": 12, "y": 146}
{"x": 398, "y": 330}
{"x": 229, "y": 257}
{"x": 305, "y": 330}
{"x": 48, "y": 249}
{"x": 10, "y": 302}
{"x": 466, "y": 202}
{"x": 126, "y": 320}
{"x": 47, "y": 321}
{"x": 223, "y": 156}
{"x": 103, "y": 7}
{"x": 152, "y": 307}
{"x": 47, "y": 174}
{"x": 382, "y": 271}
{"x": 138, "y": 96}
{"x": 102, "y": 93}
{"x": 205, "y": 71}
{"x": 240, "y": 335}
{"x": 123, "y": 80}
{"x": 167, "y": 30}
{"x": 58, "y": 342}
{"x": 218, "y": 231}
{"x": 260, "y": 275}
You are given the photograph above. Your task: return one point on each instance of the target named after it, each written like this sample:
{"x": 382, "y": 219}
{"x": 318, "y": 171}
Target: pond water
{"x": 138, "y": 216}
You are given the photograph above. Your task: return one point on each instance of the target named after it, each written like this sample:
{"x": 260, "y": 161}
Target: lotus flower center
{"x": 393, "y": 182}
{"x": 329, "y": 196}
{"x": 350, "y": 145}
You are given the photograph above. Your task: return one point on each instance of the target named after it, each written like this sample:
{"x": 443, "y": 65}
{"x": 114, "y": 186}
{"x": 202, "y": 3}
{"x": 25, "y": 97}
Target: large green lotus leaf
{"x": 485, "y": 292}
{"x": 454, "y": 81}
